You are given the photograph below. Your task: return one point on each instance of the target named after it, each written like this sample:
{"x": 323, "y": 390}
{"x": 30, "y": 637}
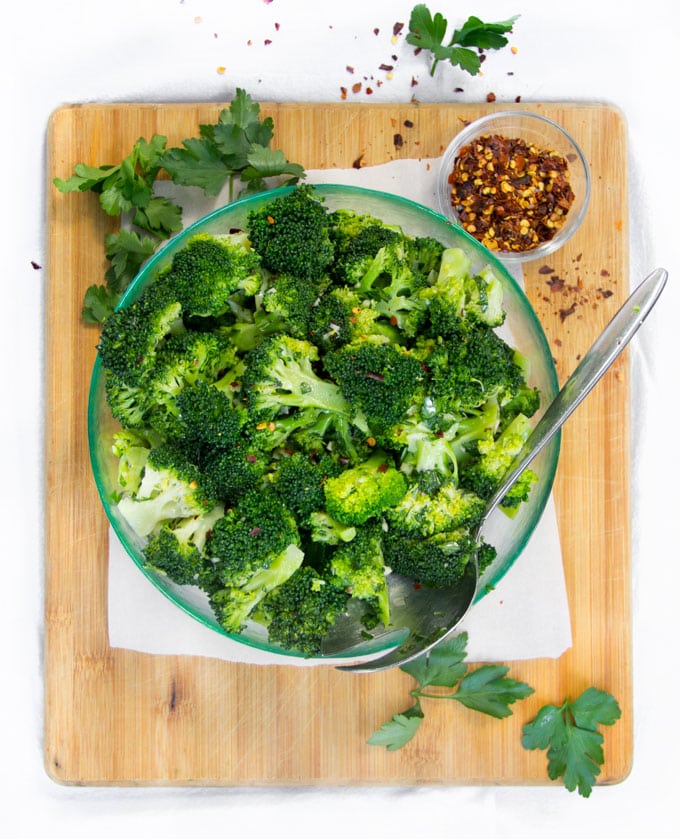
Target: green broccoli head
{"x": 448, "y": 508}
{"x": 300, "y": 612}
{"x": 290, "y": 301}
{"x": 358, "y": 566}
{"x": 485, "y": 473}
{"x": 209, "y": 271}
{"x": 328, "y": 531}
{"x": 132, "y": 336}
{"x": 458, "y": 294}
{"x": 279, "y": 376}
{"x": 436, "y": 561}
{"x": 299, "y": 479}
{"x": 364, "y": 491}
{"x": 341, "y": 316}
{"x": 380, "y": 381}
{"x": 176, "y": 550}
{"x": 255, "y": 547}
{"x": 291, "y": 234}
{"x": 471, "y": 366}
{"x": 171, "y": 487}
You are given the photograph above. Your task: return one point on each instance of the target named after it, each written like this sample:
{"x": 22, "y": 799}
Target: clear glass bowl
{"x": 546, "y": 135}
{"x": 521, "y": 328}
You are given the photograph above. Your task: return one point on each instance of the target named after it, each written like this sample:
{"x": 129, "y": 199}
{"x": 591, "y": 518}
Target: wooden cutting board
{"x": 118, "y": 717}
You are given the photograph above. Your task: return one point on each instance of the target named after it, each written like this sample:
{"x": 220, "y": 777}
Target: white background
{"x": 60, "y": 52}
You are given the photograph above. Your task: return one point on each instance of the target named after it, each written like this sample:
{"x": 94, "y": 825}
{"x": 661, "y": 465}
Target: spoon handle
{"x": 590, "y": 370}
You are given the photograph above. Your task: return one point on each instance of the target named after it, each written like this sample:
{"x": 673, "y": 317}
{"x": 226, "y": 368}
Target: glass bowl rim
{"x": 146, "y": 274}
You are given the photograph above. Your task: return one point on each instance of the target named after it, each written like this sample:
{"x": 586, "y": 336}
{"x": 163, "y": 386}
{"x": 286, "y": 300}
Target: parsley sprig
{"x": 462, "y": 49}
{"x": 569, "y": 732}
{"x": 234, "y": 150}
{"x": 486, "y": 689}
{"x": 570, "y": 735}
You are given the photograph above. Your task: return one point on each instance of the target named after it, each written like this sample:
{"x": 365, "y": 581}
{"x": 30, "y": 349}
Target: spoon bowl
{"x": 427, "y": 616}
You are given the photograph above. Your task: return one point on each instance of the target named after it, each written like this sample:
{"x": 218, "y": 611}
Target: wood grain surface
{"x": 116, "y": 717}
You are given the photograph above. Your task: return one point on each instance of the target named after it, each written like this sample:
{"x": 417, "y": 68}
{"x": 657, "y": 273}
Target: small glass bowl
{"x": 545, "y": 135}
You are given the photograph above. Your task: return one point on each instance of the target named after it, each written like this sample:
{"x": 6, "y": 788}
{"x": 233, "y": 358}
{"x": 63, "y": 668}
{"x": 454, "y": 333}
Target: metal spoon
{"x": 424, "y": 617}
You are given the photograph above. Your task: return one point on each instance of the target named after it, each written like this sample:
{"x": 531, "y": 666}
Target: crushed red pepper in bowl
{"x": 516, "y": 182}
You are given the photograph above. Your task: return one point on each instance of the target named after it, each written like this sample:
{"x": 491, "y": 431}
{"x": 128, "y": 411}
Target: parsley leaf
{"x": 570, "y": 735}
{"x": 398, "y": 731}
{"x": 235, "y": 148}
{"x": 486, "y": 689}
{"x": 428, "y": 32}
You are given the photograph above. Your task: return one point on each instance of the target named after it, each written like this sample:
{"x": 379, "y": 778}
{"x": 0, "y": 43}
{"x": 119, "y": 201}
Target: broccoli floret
{"x": 255, "y": 547}
{"x": 209, "y": 271}
{"x": 186, "y": 360}
{"x": 207, "y": 417}
{"x": 290, "y": 300}
{"x": 301, "y": 611}
{"x": 299, "y": 480}
{"x": 328, "y": 531}
{"x": 436, "y": 561}
{"x": 483, "y": 475}
{"x": 456, "y": 293}
{"x": 380, "y": 381}
{"x": 291, "y": 234}
{"x": 132, "y": 336}
{"x": 176, "y": 550}
{"x": 279, "y": 376}
{"x": 472, "y": 365}
{"x": 363, "y": 257}
{"x": 427, "y": 257}
{"x": 131, "y": 449}
{"x": 448, "y": 508}
{"x": 232, "y": 472}
{"x": 171, "y": 488}
{"x": 359, "y": 567}
{"x": 364, "y": 491}
{"x": 342, "y": 316}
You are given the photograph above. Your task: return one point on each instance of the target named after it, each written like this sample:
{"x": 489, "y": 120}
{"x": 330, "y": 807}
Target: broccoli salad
{"x": 307, "y": 406}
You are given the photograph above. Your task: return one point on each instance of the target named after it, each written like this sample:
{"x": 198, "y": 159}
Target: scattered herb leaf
{"x": 569, "y": 733}
{"x": 428, "y": 32}
{"x": 235, "y": 149}
{"x": 486, "y": 689}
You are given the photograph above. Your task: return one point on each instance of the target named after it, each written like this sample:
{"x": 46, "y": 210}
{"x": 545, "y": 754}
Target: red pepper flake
{"x": 545, "y": 269}
{"x": 267, "y": 42}
{"x": 408, "y": 123}
{"x": 277, "y": 26}
{"x": 396, "y": 29}
{"x": 490, "y": 97}
{"x": 556, "y": 283}
{"x": 369, "y": 91}
{"x": 605, "y": 292}
{"x": 414, "y": 81}
{"x": 387, "y": 67}
{"x": 459, "y": 90}
{"x": 271, "y": 219}
{"x": 359, "y": 162}
{"x": 35, "y": 266}
{"x": 377, "y": 377}
{"x": 382, "y": 468}
{"x": 349, "y": 69}
{"x": 398, "y": 141}
{"x": 343, "y": 93}
{"x": 251, "y": 458}
{"x": 564, "y": 313}
{"x": 356, "y": 87}
{"x": 604, "y": 273}
{"x": 255, "y": 531}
